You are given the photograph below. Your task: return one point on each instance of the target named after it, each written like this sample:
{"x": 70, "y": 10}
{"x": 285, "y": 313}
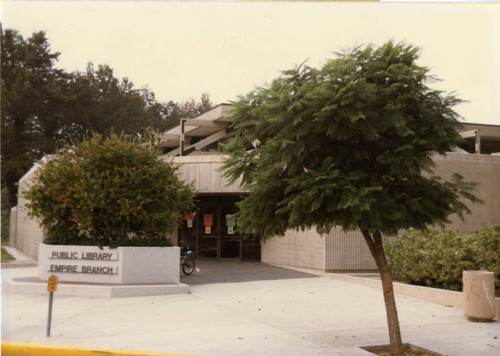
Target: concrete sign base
{"x": 122, "y": 265}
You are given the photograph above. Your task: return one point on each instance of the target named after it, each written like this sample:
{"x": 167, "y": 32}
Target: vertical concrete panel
{"x": 297, "y": 248}
{"x": 483, "y": 169}
{"x": 347, "y": 251}
{"x": 28, "y": 232}
{"x": 203, "y": 172}
{"x": 13, "y": 226}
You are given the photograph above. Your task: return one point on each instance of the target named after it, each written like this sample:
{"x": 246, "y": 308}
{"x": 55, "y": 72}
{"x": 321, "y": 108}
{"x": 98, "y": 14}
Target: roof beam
{"x": 169, "y": 137}
{"x": 202, "y": 143}
{"x": 174, "y": 152}
{"x": 477, "y": 139}
{"x": 203, "y": 123}
{"x": 468, "y": 134}
{"x": 208, "y": 140}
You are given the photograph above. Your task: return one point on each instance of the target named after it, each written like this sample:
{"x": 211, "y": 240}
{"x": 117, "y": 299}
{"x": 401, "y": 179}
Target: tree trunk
{"x": 374, "y": 242}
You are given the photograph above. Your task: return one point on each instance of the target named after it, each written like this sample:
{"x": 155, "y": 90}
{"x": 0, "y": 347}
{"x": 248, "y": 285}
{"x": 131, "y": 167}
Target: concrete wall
{"x": 484, "y": 169}
{"x": 337, "y": 250}
{"x": 28, "y": 232}
{"x": 120, "y": 265}
{"x": 12, "y": 226}
{"x": 347, "y": 251}
{"x": 296, "y": 248}
{"x": 204, "y": 172}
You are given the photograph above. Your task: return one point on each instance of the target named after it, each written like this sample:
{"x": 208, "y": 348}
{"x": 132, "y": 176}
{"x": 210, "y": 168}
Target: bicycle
{"x": 187, "y": 263}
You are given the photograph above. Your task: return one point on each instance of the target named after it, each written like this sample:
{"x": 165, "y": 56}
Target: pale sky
{"x": 183, "y": 49}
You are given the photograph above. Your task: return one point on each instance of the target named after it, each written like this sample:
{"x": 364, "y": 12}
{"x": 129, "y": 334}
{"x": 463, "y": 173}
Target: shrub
{"x": 6, "y": 256}
{"x": 437, "y": 258}
{"x": 113, "y": 191}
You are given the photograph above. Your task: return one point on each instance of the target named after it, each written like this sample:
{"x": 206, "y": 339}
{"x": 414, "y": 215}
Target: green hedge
{"x": 112, "y": 191}
{"x": 437, "y": 258}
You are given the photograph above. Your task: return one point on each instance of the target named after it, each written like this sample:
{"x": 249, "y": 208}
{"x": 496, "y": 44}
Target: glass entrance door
{"x": 208, "y": 232}
{"x": 230, "y": 241}
{"x": 212, "y": 234}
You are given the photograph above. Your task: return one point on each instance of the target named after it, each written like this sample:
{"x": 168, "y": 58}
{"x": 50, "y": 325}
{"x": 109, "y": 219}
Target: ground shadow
{"x": 234, "y": 271}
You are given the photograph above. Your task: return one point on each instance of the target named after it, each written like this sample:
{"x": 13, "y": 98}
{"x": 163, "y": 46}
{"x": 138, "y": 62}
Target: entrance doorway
{"x": 212, "y": 233}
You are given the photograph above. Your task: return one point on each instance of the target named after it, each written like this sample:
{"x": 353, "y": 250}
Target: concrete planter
{"x": 479, "y": 295}
{"x": 122, "y": 265}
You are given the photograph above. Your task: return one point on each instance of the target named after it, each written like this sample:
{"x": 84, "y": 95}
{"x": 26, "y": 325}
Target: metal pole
{"x": 49, "y": 320}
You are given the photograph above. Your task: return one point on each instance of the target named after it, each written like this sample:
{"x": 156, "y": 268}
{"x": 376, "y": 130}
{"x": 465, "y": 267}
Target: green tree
{"x": 167, "y": 115}
{"x": 347, "y": 145}
{"x": 30, "y": 96}
{"x": 44, "y": 107}
{"x": 112, "y": 191}
{"x": 191, "y": 108}
{"x": 97, "y": 101}
{"x": 102, "y": 103}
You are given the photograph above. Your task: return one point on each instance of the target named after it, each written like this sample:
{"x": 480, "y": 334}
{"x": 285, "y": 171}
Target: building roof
{"x": 480, "y": 138}
{"x": 200, "y": 132}
{"x": 203, "y": 133}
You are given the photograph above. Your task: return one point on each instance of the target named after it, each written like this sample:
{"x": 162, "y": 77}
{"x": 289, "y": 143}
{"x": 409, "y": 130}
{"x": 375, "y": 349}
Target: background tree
{"x": 348, "y": 145}
{"x": 100, "y": 102}
{"x": 44, "y": 107}
{"x": 97, "y": 101}
{"x": 168, "y": 115}
{"x": 30, "y": 97}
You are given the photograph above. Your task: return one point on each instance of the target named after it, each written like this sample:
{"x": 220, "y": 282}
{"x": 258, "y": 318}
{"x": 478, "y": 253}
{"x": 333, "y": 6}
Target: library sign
{"x": 65, "y": 262}
{"x": 115, "y": 266}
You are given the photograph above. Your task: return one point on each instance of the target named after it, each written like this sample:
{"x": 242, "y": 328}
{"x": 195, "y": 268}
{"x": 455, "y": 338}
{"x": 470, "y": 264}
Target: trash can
{"x": 479, "y": 295}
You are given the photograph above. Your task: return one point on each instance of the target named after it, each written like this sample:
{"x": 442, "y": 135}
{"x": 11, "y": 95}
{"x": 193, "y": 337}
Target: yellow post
{"x": 51, "y": 287}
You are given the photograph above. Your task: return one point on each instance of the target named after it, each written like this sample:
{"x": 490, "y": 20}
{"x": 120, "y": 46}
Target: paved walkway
{"x": 211, "y": 272}
{"x": 245, "y": 309}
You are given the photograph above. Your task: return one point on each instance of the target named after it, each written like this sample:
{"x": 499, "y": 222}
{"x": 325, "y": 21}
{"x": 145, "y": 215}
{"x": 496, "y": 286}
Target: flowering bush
{"x": 112, "y": 191}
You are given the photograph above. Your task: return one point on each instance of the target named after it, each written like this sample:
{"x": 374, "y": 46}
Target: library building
{"x": 210, "y": 231}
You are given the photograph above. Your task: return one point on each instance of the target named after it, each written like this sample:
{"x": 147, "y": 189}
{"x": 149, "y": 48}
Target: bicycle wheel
{"x": 188, "y": 267}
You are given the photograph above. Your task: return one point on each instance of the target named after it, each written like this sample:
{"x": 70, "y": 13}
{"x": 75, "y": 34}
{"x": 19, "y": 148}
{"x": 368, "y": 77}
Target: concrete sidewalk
{"x": 282, "y": 314}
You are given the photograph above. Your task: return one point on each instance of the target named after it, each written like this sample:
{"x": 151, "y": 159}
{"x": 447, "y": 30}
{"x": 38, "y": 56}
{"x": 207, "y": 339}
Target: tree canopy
{"x": 29, "y": 92}
{"x": 347, "y": 145}
{"x": 43, "y": 107}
